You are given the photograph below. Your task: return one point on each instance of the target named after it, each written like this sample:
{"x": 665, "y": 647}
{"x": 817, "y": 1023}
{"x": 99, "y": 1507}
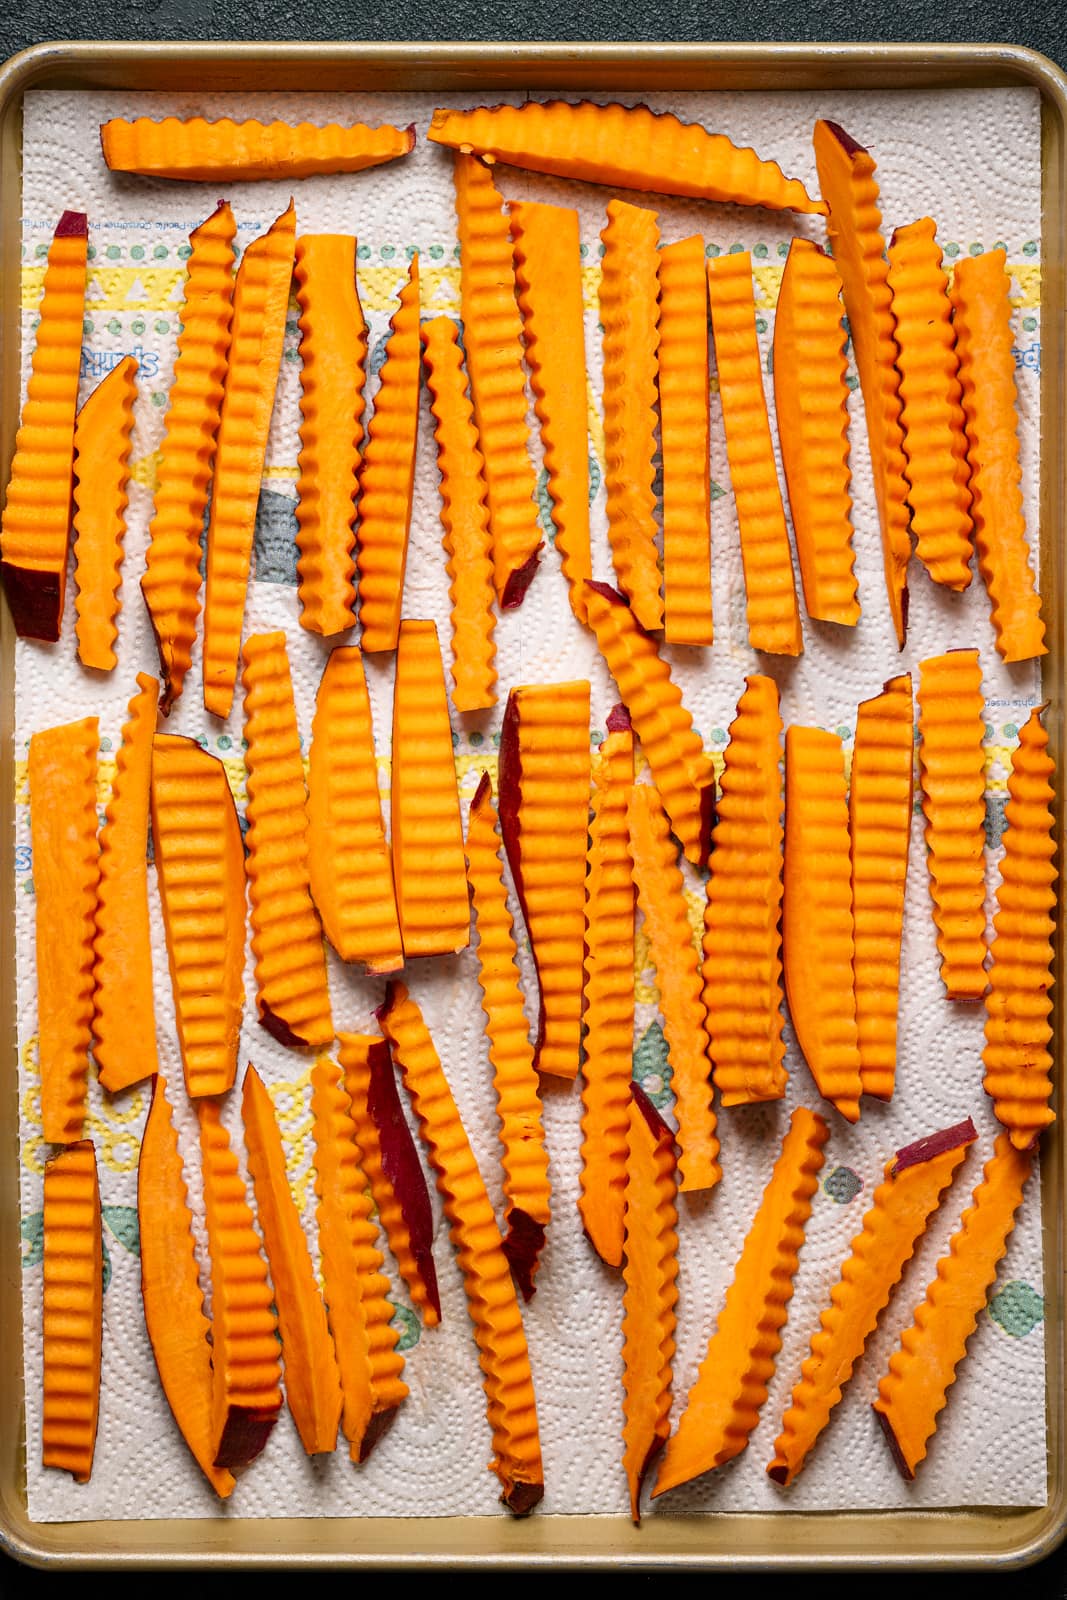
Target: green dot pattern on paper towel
{"x": 185, "y": 251}
{"x": 651, "y": 1067}
{"x": 112, "y": 252}
{"x": 161, "y": 252}
{"x": 544, "y": 507}
{"x": 1029, "y": 324}
{"x": 1017, "y": 1308}
{"x": 760, "y": 251}
{"x": 407, "y": 1326}
{"x": 842, "y": 1185}
{"x": 783, "y": 248}
{"x": 162, "y": 327}
{"x": 718, "y": 736}
{"x": 712, "y": 250}
{"x": 952, "y": 249}
{"x": 137, "y": 252}
{"x": 761, "y": 324}
{"x": 114, "y": 326}
{"x": 436, "y": 252}
{"x": 137, "y": 326}
{"x": 388, "y": 252}
{"x": 717, "y": 490}
{"x": 123, "y": 1223}
{"x": 363, "y": 252}
{"x": 1030, "y": 247}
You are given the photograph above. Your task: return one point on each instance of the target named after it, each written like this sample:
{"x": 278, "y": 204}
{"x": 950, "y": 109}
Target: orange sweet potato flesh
{"x": 684, "y": 431}
{"x": 650, "y": 1271}
{"x": 312, "y": 1380}
{"x": 900, "y": 1209}
{"x": 173, "y": 1302}
{"x": 35, "y": 524}
{"x": 198, "y": 151}
{"x": 724, "y": 1404}
{"x": 66, "y": 875}
{"x": 102, "y": 437}
{"x": 72, "y": 1315}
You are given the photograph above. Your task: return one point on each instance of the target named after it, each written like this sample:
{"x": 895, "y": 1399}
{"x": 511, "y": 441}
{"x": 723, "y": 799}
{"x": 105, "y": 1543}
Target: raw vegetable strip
{"x": 66, "y": 876}
{"x": 879, "y": 821}
{"x": 630, "y": 318}
{"x": 387, "y": 476}
{"x": 742, "y": 942}
{"x": 429, "y": 868}
{"x": 626, "y": 147}
{"x": 124, "y": 1028}
{"x": 548, "y": 275}
{"x": 650, "y": 1271}
{"x": 333, "y": 351}
{"x": 199, "y": 858}
{"x": 770, "y": 588}
{"x": 724, "y": 1403}
{"x": 102, "y": 437}
{"x": 35, "y": 525}
{"x": 72, "y": 1319}
{"x": 1018, "y": 1033}
{"x": 492, "y": 334}
{"x": 901, "y": 1207}
{"x": 392, "y": 1166}
{"x": 170, "y": 1287}
{"x": 200, "y": 151}
{"x": 350, "y": 869}
{"x": 525, "y": 1158}
{"x": 491, "y": 1299}
{"x": 464, "y": 518}
{"x": 544, "y": 821}
{"x": 661, "y": 898}
{"x": 952, "y": 770}
{"x": 981, "y": 305}
{"x": 312, "y": 1379}
{"x": 923, "y": 1367}
{"x": 607, "y": 1067}
{"x": 818, "y": 937}
{"x": 846, "y": 178}
{"x": 681, "y": 771}
{"x": 932, "y": 417}
{"x": 260, "y": 302}
{"x": 684, "y": 432}
{"x": 171, "y": 581}
{"x": 292, "y": 993}
{"x": 811, "y": 407}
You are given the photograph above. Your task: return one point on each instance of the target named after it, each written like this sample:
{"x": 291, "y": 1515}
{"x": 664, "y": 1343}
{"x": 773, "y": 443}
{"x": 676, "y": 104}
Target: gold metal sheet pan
{"x": 951, "y": 1539}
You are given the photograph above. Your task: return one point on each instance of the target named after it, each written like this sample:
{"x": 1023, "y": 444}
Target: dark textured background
{"x": 1039, "y": 24}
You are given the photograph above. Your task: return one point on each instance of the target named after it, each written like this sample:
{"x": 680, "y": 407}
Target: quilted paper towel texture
{"x": 971, "y": 161}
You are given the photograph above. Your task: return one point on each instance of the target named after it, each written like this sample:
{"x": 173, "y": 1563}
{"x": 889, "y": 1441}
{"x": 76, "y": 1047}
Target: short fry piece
{"x": 73, "y": 1310}
{"x": 684, "y": 385}
{"x": 102, "y": 438}
{"x": 198, "y": 151}
{"x": 901, "y": 1206}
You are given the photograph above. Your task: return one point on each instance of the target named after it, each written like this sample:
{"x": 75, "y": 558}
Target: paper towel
{"x": 971, "y": 160}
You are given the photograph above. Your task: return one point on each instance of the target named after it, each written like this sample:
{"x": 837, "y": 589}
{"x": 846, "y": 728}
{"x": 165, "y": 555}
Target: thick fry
{"x": 684, "y": 432}
{"x": 102, "y": 439}
{"x": 72, "y": 1319}
{"x": 199, "y": 151}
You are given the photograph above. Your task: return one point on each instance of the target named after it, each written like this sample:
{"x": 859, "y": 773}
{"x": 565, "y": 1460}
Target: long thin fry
{"x": 72, "y": 1313}
{"x": 684, "y": 432}
{"x": 199, "y": 151}
{"x": 102, "y": 440}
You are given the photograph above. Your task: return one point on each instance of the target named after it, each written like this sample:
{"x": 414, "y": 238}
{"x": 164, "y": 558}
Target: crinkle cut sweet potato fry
{"x": 952, "y": 776}
{"x": 923, "y": 1367}
{"x": 173, "y": 1301}
{"x": 818, "y": 931}
{"x": 102, "y": 439}
{"x": 429, "y": 867}
{"x": 333, "y": 352}
{"x": 350, "y": 869}
{"x": 260, "y": 303}
{"x": 981, "y": 305}
{"x": 199, "y": 856}
{"x": 742, "y": 944}
{"x": 684, "y": 387}
{"x": 650, "y": 1293}
{"x": 171, "y": 580}
{"x": 1018, "y": 1033}
{"x": 66, "y": 877}
{"x": 607, "y": 1067}
{"x": 901, "y": 1207}
{"x": 464, "y": 518}
{"x": 72, "y": 1311}
{"x": 199, "y": 151}
{"x": 770, "y": 587}
{"x": 629, "y": 315}
{"x": 527, "y": 1190}
{"x": 544, "y": 823}
{"x": 387, "y": 476}
{"x": 124, "y": 1027}
{"x": 724, "y": 1404}
{"x": 661, "y": 898}
{"x": 811, "y": 409}
{"x": 292, "y": 990}
{"x": 492, "y": 335}
{"x": 625, "y": 147}
{"x": 880, "y": 804}
{"x": 548, "y": 275}
{"x": 35, "y": 524}
{"x": 847, "y": 181}
{"x": 312, "y": 1378}
{"x": 491, "y": 1297}
{"x": 935, "y": 443}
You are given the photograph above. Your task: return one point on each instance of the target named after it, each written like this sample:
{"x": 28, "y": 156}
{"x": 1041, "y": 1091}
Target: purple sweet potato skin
{"x": 619, "y": 720}
{"x": 519, "y": 581}
{"x": 522, "y": 1247}
{"x": 934, "y": 1144}
{"x": 401, "y": 1165}
{"x": 73, "y": 225}
{"x": 509, "y": 794}
{"x": 658, "y": 1127}
{"x": 850, "y": 145}
{"x": 894, "y": 1446}
{"x": 33, "y": 599}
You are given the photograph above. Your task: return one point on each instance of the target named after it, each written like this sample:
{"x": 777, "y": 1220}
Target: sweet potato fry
{"x": 198, "y": 151}
{"x": 102, "y": 437}
{"x": 72, "y": 1320}
{"x": 684, "y": 386}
